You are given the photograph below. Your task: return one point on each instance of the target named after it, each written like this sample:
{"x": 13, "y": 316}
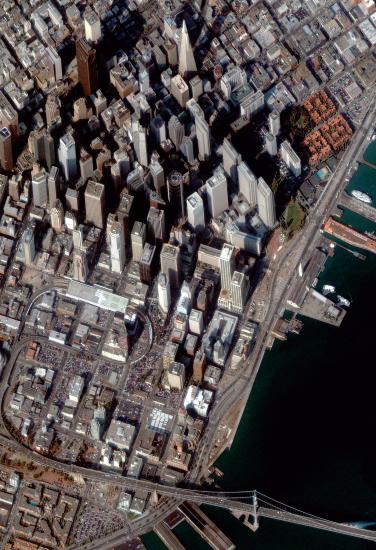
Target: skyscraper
{"x": 239, "y": 291}
{"x": 140, "y": 142}
{"x": 92, "y": 22}
{"x": 87, "y": 66}
{"x": 68, "y": 157}
{"x": 266, "y": 204}
{"x": 157, "y": 173}
{"x": 52, "y": 109}
{"x": 6, "y": 154}
{"x": 271, "y": 144}
{"x": 187, "y": 149}
{"x": 203, "y": 138}
{"x": 195, "y": 212}
{"x": 117, "y": 247}
{"x": 39, "y": 186}
{"x": 53, "y": 184}
{"x": 175, "y": 131}
{"x": 158, "y": 129}
{"x": 180, "y": 90}
{"x": 164, "y": 293}
{"x": 86, "y": 165}
{"x": 147, "y": 263}
{"x": 290, "y": 158}
{"x": 274, "y": 122}
{"x": 95, "y": 203}
{"x": 187, "y": 63}
{"x": 80, "y": 266}
{"x": 227, "y": 264}
{"x": 156, "y": 225}
{"x": 28, "y": 242}
{"x": 231, "y": 160}
{"x": 8, "y": 116}
{"x": 216, "y": 188}
{"x": 57, "y": 216}
{"x": 170, "y": 264}
{"x": 138, "y": 238}
{"x": 247, "y": 183}
{"x": 175, "y": 193}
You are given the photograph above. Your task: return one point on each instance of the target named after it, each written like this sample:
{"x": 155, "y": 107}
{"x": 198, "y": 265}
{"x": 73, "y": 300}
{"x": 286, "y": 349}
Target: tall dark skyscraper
{"x": 87, "y": 66}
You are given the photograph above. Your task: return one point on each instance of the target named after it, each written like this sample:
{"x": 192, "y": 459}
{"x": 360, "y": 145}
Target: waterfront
{"x": 306, "y": 436}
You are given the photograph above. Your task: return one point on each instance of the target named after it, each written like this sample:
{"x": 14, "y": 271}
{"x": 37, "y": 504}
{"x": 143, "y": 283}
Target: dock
{"x": 362, "y": 208}
{"x": 205, "y": 527}
{"x": 168, "y": 538}
{"x": 310, "y": 271}
{"x": 349, "y": 235}
{"x": 318, "y": 307}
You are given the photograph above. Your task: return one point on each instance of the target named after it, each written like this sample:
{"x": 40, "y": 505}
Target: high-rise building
{"x": 156, "y": 225}
{"x": 180, "y": 90}
{"x": 56, "y": 61}
{"x": 53, "y": 184}
{"x": 231, "y": 160}
{"x": 176, "y": 376}
{"x": 68, "y": 157}
{"x": 187, "y": 149}
{"x": 252, "y": 103}
{"x": 266, "y": 204}
{"x": 80, "y": 266}
{"x": 87, "y": 66}
{"x": 140, "y": 142}
{"x": 6, "y": 153}
{"x": 49, "y": 150}
{"x": 196, "y": 212}
{"x": 86, "y": 165}
{"x": 28, "y": 242}
{"x": 227, "y": 265}
{"x": 203, "y": 138}
{"x": 196, "y": 86}
{"x": 290, "y": 158}
{"x": 78, "y": 237}
{"x": 170, "y": 264}
{"x": 158, "y": 129}
{"x": 175, "y": 193}
{"x": 72, "y": 199}
{"x": 239, "y": 291}
{"x": 147, "y": 263}
{"x": 274, "y": 122}
{"x": 271, "y": 144}
{"x": 93, "y": 31}
{"x": 175, "y": 131}
{"x": 247, "y": 183}
{"x": 187, "y": 63}
{"x": 216, "y": 188}
{"x": 125, "y": 214}
{"x": 164, "y": 293}
{"x": 157, "y": 173}
{"x": 57, "y": 216}
{"x": 199, "y": 364}
{"x": 117, "y": 247}
{"x": 52, "y": 109}
{"x": 8, "y": 116}
{"x": 138, "y": 238}
{"x": 39, "y": 186}
{"x": 95, "y": 203}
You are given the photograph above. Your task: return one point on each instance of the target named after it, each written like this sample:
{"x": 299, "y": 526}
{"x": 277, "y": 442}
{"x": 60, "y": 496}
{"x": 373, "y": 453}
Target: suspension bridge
{"x": 254, "y": 505}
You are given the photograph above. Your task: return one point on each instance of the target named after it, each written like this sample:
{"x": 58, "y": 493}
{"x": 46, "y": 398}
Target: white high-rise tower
{"x": 187, "y": 63}
{"x": 266, "y": 204}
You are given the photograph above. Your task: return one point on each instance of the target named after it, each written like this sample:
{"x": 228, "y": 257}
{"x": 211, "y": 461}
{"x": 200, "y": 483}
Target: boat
{"x": 361, "y": 196}
{"x": 342, "y": 301}
{"x": 328, "y": 289}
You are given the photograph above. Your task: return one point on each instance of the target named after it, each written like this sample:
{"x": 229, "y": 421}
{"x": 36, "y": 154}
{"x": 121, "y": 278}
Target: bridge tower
{"x": 255, "y": 523}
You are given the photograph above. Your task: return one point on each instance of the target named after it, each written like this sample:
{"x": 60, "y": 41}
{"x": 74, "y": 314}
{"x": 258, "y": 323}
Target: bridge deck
{"x": 318, "y": 524}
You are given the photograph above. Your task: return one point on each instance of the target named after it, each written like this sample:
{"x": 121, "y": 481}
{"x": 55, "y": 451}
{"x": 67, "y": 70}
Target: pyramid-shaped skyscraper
{"x": 187, "y": 63}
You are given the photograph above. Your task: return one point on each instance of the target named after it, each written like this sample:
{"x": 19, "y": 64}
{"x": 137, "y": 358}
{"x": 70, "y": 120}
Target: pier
{"x": 362, "y": 208}
{"x": 205, "y": 527}
{"x": 349, "y": 235}
{"x": 365, "y": 162}
{"x": 318, "y": 307}
{"x": 168, "y": 538}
